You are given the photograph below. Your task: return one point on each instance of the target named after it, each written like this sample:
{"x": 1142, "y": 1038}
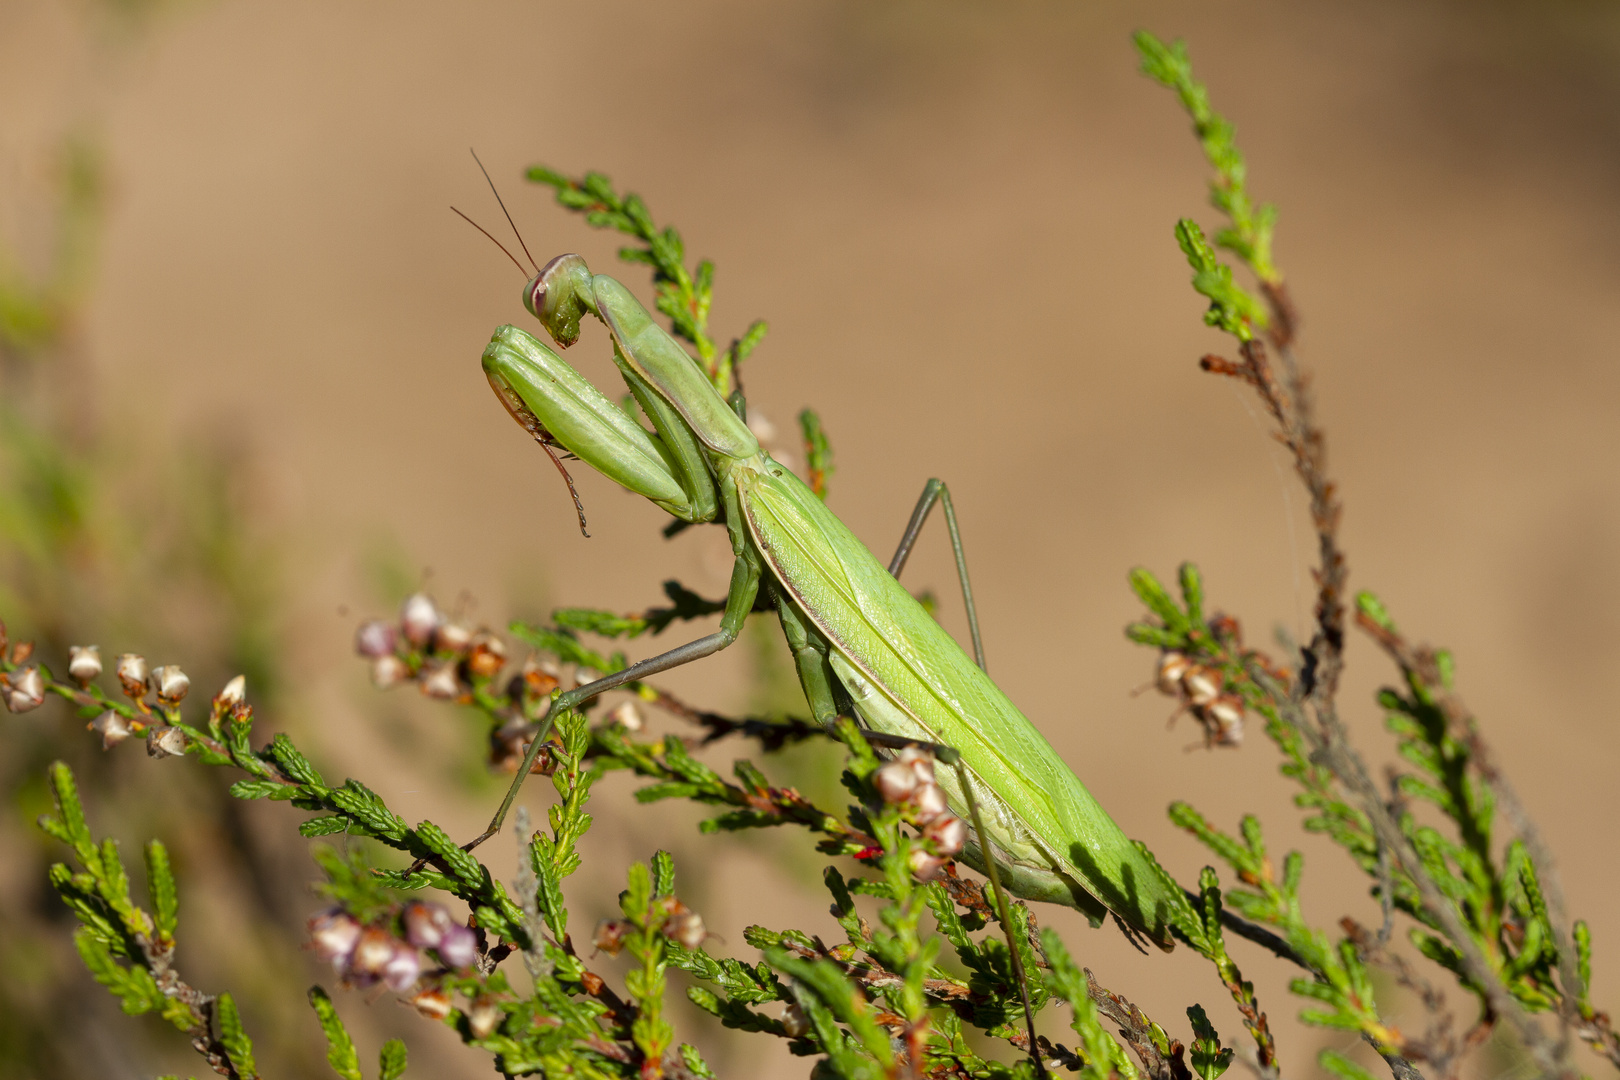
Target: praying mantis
{"x": 856, "y": 635}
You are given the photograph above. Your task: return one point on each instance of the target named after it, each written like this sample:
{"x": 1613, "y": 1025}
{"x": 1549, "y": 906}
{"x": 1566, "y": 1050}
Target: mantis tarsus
{"x": 856, "y": 634}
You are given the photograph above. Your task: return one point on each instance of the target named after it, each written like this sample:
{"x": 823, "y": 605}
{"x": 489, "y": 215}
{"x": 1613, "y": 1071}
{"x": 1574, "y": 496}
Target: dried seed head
{"x": 403, "y": 968}
{"x": 609, "y": 936}
{"x": 22, "y": 651}
{"x": 794, "y": 1022}
{"x": 627, "y": 714}
{"x": 84, "y": 663}
{"x": 389, "y": 671}
{"x": 425, "y": 924}
{"x": 583, "y": 675}
{"x": 372, "y": 952}
{"x": 439, "y": 681}
{"x": 433, "y": 1004}
{"x": 132, "y": 674}
{"x": 488, "y": 655}
{"x": 920, "y": 761}
{"x": 482, "y": 1016}
{"x": 233, "y": 693}
{"x": 1172, "y": 667}
{"x": 895, "y": 782}
{"x": 24, "y": 690}
{"x": 1203, "y": 684}
{"x": 686, "y": 929}
{"x": 375, "y": 638}
{"x": 928, "y": 803}
{"x": 165, "y": 741}
{"x": 948, "y": 834}
{"x": 112, "y": 728}
{"x": 452, "y": 637}
{"x": 171, "y": 683}
{"x": 925, "y": 866}
{"x": 418, "y": 618}
{"x": 458, "y": 948}
{"x": 333, "y": 934}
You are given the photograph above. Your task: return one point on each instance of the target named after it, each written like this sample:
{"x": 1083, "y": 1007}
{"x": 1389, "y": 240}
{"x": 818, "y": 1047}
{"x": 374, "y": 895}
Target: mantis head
{"x": 559, "y": 295}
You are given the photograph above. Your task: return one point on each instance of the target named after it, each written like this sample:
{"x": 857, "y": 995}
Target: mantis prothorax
{"x": 852, "y": 628}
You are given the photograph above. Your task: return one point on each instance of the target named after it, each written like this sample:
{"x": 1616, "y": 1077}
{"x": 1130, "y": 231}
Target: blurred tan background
{"x": 956, "y": 217}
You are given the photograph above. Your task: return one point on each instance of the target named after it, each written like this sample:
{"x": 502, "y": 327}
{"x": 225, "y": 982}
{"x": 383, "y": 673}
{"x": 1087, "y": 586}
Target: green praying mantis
{"x": 856, "y": 634}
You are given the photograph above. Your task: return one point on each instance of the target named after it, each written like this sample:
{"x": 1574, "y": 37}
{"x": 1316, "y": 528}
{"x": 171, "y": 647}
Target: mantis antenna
{"x": 492, "y": 240}
{"x": 502, "y": 203}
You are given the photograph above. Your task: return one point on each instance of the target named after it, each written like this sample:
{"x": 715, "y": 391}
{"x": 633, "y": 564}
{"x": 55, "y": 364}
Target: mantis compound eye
{"x": 534, "y": 295}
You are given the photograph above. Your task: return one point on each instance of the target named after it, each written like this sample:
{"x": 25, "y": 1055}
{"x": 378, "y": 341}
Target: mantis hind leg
{"x": 935, "y": 491}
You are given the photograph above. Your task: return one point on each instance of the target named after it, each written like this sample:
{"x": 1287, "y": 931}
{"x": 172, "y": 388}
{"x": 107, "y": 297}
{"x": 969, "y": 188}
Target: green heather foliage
{"x": 936, "y": 975}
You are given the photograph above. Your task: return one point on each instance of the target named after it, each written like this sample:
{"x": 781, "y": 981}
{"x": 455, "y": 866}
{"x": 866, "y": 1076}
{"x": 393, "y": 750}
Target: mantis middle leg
{"x": 745, "y": 575}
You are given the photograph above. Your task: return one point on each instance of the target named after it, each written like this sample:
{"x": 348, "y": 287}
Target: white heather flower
{"x": 928, "y": 803}
{"x": 921, "y": 762}
{"x": 488, "y": 655}
{"x": 896, "y": 781}
{"x": 172, "y": 683}
{"x": 924, "y": 865}
{"x": 165, "y": 741}
{"x": 433, "y": 1004}
{"x": 451, "y": 637}
{"x": 375, "y": 638}
{"x": 440, "y": 682}
{"x": 686, "y": 929}
{"x": 233, "y": 693}
{"x": 333, "y": 934}
{"x": 540, "y": 675}
{"x": 425, "y": 924}
{"x": 948, "y": 833}
{"x": 1224, "y": 720}
{"x": 418, "y": 618}
{"x": 1172, "y": 667}
{"x": 1203, "y": 685}
{"x": 794, "y": 1022}
{"x": 387, "y": 671}
{"x": 403, "y": 968}
{"x": 132, "y": 674}
{"x": 372, "y": 952}
{"x": 84, "y": 662}
{"x": 482, "y": 1016}
{"x": 627, "y": 714}
{"x": 25, "y": 690}
{"x": 112, "y": 728}
{"x": 458, "y": 948}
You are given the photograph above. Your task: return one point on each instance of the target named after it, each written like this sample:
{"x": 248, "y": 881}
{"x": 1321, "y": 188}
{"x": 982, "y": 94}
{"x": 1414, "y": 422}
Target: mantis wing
{"x": 909, "y": 677}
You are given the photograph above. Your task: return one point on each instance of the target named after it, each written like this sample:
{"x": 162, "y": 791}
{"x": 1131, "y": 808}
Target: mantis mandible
{"x": 853, "y": 629}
